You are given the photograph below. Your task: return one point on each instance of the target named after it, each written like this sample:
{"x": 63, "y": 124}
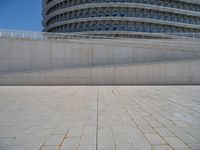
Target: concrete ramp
{"x": 29, "y": 55}
{"x": 160, "y": 73}
{"x": 99, "y": 61}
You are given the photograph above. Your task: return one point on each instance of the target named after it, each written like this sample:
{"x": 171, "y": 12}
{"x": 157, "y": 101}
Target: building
{"x": 122, "y": 17}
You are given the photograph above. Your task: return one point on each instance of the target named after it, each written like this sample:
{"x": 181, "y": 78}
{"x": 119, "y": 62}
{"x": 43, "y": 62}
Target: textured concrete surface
{"x": 30, "y": 55}
{"x": 100, "y": 118}
{"x": 160, "y": 73}
{"x": 99, "y": 61}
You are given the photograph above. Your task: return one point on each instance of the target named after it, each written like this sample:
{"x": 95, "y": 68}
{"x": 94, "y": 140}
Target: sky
{"x": 21, "y": 15}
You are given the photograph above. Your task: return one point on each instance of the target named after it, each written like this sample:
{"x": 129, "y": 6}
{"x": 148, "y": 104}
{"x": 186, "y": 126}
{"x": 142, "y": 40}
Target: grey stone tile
{"x": 54, "y": 140}
{"x": 74, "y": 132}
{"x": 162, "y": 147}
{"x": 124, "y": 146}
{"x": 87, "y": 147}
{"x": 141, "y": 143}
{"x": 155, "y": 139}
{"x": 127, "y": 117}
{"x": 164, "y": 132}
{"x": 176, "y": 143}
{"x": 146, "y": 129}
{"x": 155, "y": 123}
{"x": 49, "y": 148}
{"x": 70, "y": 144}
{"x": 195, "y": 146}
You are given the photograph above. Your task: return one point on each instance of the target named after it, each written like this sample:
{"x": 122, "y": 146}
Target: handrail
{"x": 94, "y": 35}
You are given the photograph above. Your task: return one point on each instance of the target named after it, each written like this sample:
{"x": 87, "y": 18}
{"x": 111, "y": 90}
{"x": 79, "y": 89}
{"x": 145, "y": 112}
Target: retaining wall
{"x": 56, "y": 62}
{"x": 162, "y": 73}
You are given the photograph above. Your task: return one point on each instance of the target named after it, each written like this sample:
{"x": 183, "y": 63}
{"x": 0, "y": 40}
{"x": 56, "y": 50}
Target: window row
{"x": 124, "y": 12}
{"x": 164, "y": 3}
{"x": 120, "y": 26}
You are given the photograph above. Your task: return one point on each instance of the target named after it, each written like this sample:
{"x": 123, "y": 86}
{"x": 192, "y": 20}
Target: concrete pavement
{"x": 100, "y": 118}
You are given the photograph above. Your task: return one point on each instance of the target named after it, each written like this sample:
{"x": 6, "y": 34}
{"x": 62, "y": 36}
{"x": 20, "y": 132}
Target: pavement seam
{"x": 97, "y": 126}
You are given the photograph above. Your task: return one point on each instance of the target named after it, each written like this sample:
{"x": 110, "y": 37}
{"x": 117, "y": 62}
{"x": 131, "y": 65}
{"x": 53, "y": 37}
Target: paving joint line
{"x": 135, "y": 122}
{"x": 161, "y": 123}
{"x": 97, "y": 126}
{"x": 65, "y": 137}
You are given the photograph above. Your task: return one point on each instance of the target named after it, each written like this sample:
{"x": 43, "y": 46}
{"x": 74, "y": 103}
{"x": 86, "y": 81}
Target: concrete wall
{"x": 56, "y": 62}
{"x": 178, "y": 72}
{"x": 28, "y": 55}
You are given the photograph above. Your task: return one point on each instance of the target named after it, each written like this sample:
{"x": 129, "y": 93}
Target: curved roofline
{"x": 58, "y": 1}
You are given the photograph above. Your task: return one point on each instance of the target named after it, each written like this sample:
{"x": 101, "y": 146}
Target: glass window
{"x": 138, "y": 1}
{"x": 174, "y": 17}
{"x": 100, "y": 27}
{"x": 131, "y": 26}
{"x": 77, "y": 2}
{"x": 138, "y": 27}
{"x": 160, "y": 3}
{"x": 114, "y": 12}
{"x": 146, "y": 14}
{"x": 186, "y": 19}
{"x": 197, "y": 20}
{"x": 167, "y": 29}
{"x": 192, "y": 20}
{"x": 167, "y": 3}
{"x": 100, "y": 13}
{"x": 146, "y": 1}
{"x": 153, "y": 15}
{"x": 122, "y": 12}
{"x": 129, "y": 13}
{"x": 180, "y": 5}
{"x": 108, "y": 12}
{"x": 153, "y": 2}
{"x": 159, "y": 16}
{"x": 153, "y": 29}
{"x": 99, "y": 1}
{"x": 107, "y": 26}
{"x": 146, "y": 28}
{"x": 180, "y": 18}
{"x": 114, "y": 27}
{"x": 159, "y": 29}
{"x": 173, "y": 29}
{"x": 197, "y": 8}
{"x": 167, "y": 17}
{"x": 122, "y": 27}
{"x": 191, "y": 7}
{"x": 174, "y": 4}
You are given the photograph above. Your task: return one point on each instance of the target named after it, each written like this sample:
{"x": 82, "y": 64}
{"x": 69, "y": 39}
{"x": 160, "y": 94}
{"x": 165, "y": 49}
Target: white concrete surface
{"x": 178, "y": 72}
{"x": 90, "y": 61}
{"x": 100, "y": 118}
{"x": 27, "y": 55}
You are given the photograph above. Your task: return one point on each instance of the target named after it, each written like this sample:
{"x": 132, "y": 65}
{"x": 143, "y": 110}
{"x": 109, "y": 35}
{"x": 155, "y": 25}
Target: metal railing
{"x": 17, "y": 34}
{"x": 45, "y": 35}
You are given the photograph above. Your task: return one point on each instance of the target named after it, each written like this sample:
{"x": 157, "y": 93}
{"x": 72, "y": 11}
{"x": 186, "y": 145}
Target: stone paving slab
{"x": 100, "y": 118}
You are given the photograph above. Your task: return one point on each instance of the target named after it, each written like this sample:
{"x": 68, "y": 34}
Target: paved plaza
{"x": 100, "y": 118}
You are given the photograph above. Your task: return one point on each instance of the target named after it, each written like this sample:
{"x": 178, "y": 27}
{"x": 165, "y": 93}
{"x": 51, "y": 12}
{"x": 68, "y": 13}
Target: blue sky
{"x": 20, "y": 15}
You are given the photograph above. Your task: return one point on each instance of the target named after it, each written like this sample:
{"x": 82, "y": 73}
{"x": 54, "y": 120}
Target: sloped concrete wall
{"x": 163, "y": 73}
{"x": 110, "y": 62}
{"x": 27, "y": 55}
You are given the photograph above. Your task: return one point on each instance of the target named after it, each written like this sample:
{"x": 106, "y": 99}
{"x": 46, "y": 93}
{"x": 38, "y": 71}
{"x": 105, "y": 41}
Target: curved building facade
{"x": 121, "y": 17}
